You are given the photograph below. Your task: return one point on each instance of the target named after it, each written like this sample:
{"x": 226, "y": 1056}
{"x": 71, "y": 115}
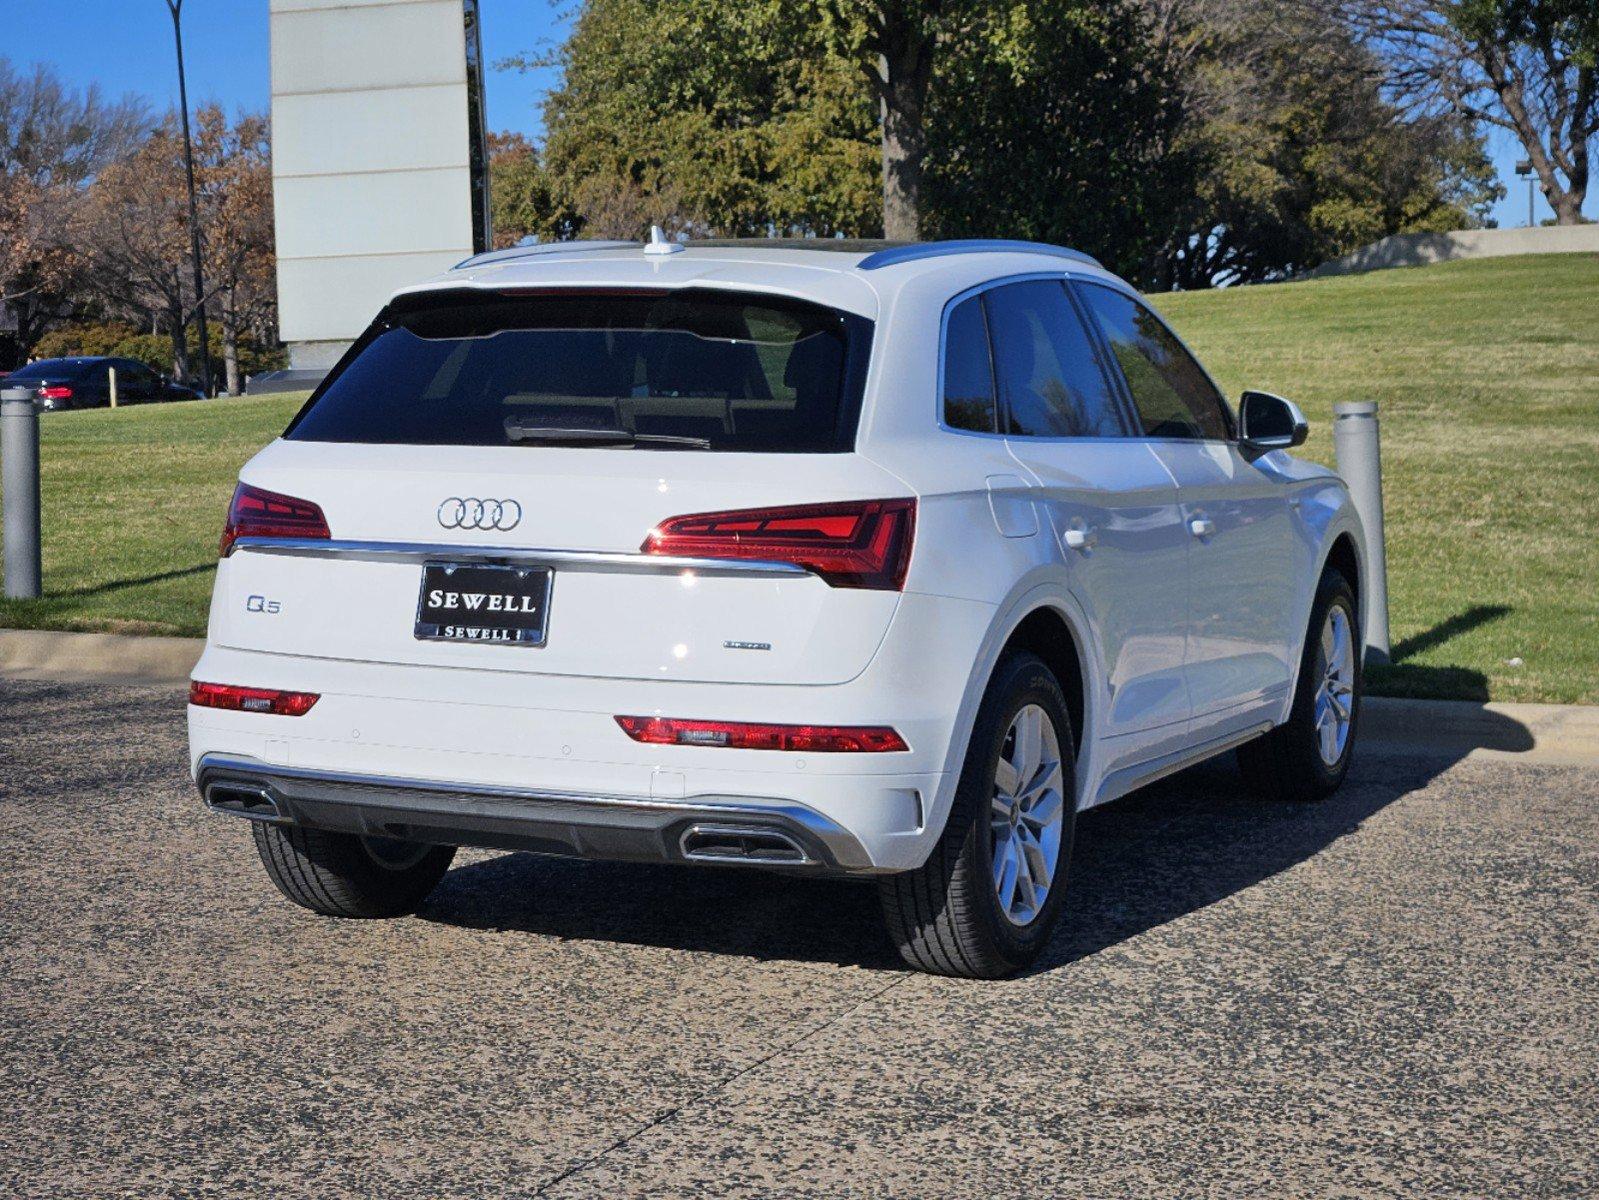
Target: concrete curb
{"x": 1552, "y": 733}
{"x": 1544, "y": 733}
{"x": 42, "y": 654}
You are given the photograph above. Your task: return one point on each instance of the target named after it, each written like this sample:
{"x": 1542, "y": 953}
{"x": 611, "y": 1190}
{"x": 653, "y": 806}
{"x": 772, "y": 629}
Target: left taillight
{"x": 251, "y": 699}
{"x": 256, "y": 512}
{"x": 855, "y": 544}
{"x": 55, "y": 391}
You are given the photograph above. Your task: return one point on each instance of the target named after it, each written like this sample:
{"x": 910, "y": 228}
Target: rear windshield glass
{"x": 689, "y": 369}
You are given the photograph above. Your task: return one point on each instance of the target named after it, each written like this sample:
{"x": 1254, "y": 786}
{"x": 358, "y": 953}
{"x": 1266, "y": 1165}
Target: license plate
{"x": 470, "y": 602}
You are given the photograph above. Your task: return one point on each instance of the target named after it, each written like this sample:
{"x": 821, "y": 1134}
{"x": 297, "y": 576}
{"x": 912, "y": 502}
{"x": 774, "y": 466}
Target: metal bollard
{"x": 19, "y": 460}
{"x": 1355, "y": 442}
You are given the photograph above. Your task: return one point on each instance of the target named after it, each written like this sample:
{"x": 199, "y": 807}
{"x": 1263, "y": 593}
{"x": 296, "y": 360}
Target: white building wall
{"x": 370, "y": 159}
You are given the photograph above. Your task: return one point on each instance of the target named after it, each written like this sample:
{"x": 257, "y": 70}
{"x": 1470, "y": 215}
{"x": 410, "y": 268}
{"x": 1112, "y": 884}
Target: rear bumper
{"x": 727, "y": 830}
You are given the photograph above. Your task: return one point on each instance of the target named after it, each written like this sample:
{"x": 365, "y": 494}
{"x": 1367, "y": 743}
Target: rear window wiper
{"x": 552, "y": 435}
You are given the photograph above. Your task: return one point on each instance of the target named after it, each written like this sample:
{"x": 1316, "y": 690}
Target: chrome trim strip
{"x": 920, "y": 250}
{"x": 843, "y": 845}
{"x": 594, "y": 560}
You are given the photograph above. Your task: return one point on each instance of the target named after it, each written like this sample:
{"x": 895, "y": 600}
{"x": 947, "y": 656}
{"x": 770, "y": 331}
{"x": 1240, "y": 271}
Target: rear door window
{"x": 969, "y": 370}
{"x": 1173, "y": 395}
{"x": 1050, "y": 379}
{"x": 688, "y": 369}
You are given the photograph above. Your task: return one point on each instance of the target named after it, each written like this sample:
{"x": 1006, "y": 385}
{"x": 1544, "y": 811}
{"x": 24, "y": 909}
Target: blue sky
{"x": 126, "y": 46}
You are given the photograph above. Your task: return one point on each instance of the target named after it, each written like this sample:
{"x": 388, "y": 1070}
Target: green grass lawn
{"x": 1487, "y": 372}
{"x": 134, "y": 500}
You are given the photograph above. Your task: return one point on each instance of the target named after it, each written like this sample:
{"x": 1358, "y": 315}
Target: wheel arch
{"x": 1045, "y": 632}
{"x": 1344, "y": 557}
{"x": 1044, "y": 620}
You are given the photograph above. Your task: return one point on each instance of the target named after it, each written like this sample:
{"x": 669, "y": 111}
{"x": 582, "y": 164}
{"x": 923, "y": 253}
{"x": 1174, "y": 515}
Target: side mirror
{"x": 1267, "y": 422}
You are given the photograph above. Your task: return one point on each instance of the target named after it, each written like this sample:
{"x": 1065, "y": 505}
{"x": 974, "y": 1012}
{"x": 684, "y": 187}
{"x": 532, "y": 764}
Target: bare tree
{"x": 53, "y": 143}
{"x": 234, "y": 167}
{"x": 136, "y": 232}
{"x": 1527, "y": 66}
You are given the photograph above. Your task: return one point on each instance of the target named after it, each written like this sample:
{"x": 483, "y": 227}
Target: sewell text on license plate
{"x": 476, "y": 602}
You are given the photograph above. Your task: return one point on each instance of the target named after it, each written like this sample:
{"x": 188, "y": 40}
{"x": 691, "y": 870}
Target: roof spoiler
{"x": 920, "y": 250}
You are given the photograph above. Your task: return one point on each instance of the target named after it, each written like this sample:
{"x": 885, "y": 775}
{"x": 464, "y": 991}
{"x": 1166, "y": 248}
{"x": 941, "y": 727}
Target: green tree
{"x": 1530, "y": 67}
{"x": 523, "y": 196}
{"x": 1054, "y": 122}
{"x": 1301, "y": 157}
{"x": 711, "y": 117}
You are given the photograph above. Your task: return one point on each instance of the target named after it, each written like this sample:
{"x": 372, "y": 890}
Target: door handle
{"x": 1080, "y": 539}
{"x": 1201, "y": 527}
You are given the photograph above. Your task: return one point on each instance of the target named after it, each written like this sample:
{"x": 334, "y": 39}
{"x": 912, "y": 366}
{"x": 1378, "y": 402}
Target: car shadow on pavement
{"x": 1139, "y": 863}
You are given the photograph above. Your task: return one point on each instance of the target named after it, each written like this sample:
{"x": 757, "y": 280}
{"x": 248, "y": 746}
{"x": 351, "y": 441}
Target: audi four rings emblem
{"x": 472, "y": 513}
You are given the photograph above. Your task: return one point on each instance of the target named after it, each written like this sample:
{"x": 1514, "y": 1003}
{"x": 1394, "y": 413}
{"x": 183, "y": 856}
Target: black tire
{"x": 343, "y": 875}
{"x": 1287, "y": 764}
{"x": 945, "y": 917}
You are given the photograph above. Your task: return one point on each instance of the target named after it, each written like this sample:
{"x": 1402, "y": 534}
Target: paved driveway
{"x": 1391, "y": 994}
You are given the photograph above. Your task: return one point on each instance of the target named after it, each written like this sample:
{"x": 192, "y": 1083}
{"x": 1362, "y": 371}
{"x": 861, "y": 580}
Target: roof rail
{"x": 919, "y": 250}
{"x": 573, "y": 247}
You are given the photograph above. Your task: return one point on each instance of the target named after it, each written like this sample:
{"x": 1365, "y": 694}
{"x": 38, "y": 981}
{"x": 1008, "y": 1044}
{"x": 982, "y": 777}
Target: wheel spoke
{"x": 1045, "y": 777}
{"x": 1028, "y": 894}
{"x": 1006, "y": 778}
{"x": 1045, "y": 810}
{"x": 1006, "y": 873}
{"x": 1029, "y": 738}
{"x": 1329, "y": 739}
{"x": 1037, "y": 861}
{"x": 1340, "y": 639}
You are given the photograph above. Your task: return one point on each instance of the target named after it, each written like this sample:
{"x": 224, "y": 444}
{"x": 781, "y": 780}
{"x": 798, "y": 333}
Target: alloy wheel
{"x": 1027, "y": 815}
{"x": 1334, "y": 710}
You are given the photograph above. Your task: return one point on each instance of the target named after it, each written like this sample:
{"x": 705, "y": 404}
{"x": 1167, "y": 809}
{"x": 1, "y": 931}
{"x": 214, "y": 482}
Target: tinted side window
{"x": 968, "y": 370}
{"x": 1173, "y": 397}
{"x": 1049, "y": 378}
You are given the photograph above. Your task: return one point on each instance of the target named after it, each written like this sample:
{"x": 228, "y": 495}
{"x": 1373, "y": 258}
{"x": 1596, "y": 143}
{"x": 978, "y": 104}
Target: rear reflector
{"x": 56, "y": 392}
{"x": 249, "y": 699}
{"x": 256, "y": 512}
{"x": 743, "y": 735}
{"x": 857, "y": 544}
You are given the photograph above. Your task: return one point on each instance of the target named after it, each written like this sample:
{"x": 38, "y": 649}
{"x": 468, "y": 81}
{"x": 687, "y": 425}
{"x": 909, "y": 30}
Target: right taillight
{"x": 854, "y": 544}
{"x": 56, "y": 391}
{"x": 256, "y": 512}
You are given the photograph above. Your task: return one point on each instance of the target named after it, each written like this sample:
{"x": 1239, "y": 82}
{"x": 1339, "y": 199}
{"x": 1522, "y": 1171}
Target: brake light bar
{"x": 746, "y": 735}
{"x": 251, "y": 699}
{"x": 854, "y": 544}
{"x": 256, "y": 512}
{"x": 56, "y": 391}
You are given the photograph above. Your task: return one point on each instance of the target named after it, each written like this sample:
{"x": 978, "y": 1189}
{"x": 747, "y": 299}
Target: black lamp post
{"x": 176, "y": 8}
{"x": 1524, "y": 167}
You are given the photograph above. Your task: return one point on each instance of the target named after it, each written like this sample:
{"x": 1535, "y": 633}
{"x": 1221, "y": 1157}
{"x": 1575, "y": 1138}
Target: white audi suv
{"x": 816, "y": 556}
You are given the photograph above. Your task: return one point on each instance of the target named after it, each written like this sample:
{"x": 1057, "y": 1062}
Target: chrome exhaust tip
{"x": 243, "y": 800}
{"x": 743, "y": 844}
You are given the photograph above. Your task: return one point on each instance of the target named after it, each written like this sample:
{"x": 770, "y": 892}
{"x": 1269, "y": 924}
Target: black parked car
{"x": 86, "y": 382}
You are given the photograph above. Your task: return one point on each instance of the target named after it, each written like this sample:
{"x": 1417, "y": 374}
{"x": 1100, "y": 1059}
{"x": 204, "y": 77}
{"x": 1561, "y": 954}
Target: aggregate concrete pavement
{"x": 1391, "y": 994}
